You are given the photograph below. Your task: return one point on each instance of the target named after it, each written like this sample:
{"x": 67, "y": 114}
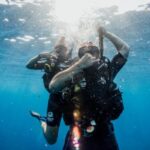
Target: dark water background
{"x": 22, "y": 89}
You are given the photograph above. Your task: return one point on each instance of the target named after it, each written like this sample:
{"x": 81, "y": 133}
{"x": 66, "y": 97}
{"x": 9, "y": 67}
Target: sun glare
{"x": 71, "y": 10}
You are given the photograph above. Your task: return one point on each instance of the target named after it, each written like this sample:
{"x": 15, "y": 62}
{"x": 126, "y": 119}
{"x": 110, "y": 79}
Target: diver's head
{"x": 89, "y": 48}
{"x": 61, "y": 50}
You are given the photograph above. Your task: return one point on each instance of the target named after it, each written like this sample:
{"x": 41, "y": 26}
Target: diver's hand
{"x": 86, "y": 61}
{"x": 101, "y": 31}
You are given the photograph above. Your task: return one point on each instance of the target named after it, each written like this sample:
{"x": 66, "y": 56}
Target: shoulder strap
{"x": 107, "y": 61}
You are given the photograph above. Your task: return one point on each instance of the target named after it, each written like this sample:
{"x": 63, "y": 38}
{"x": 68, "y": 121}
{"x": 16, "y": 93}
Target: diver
{"x": 90, "y": 99}
{"x": 51, "y": 63}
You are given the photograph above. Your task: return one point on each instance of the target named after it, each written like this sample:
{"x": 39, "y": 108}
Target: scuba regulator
{"x": 50, "y": 64}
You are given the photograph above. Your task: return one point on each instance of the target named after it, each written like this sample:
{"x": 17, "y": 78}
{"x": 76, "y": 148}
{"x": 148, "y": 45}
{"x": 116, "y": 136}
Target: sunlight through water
{"x": 31, "y": 27}
{"x": 70, "y": 11}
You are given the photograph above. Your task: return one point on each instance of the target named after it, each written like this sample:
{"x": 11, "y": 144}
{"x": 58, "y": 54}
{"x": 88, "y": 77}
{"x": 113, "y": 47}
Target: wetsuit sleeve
{"x": 34, "y": 63}
{"x": 117, "y": 63}
{"x": 54, "y": 112}
{"x": 38, "y": 62}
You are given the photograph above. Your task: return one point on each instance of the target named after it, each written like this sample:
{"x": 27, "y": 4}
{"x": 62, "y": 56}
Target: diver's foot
{"x": 35, "y": 114}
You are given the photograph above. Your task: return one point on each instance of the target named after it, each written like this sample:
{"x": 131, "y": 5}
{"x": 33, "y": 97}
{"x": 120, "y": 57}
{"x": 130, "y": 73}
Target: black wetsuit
{"x": 102, "y": 102}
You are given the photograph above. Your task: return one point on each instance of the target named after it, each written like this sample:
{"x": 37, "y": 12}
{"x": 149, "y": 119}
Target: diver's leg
{"x": 102, "y": 139}
{"x": 107, "y": 140}
{"x": 67, "y": 144}
{"x": 109, "y": 143}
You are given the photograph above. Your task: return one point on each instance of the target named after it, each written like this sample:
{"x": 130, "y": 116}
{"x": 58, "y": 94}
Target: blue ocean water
{"x": 24, "y": 32}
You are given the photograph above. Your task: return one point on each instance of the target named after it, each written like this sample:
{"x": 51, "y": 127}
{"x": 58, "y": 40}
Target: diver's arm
{"x": 50, "y": 132}
{"x": 119, "y": 60}
{"x": 35, "y": 63}
{"x": 59, "y": 80}
{"x": 121, "y": 46}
